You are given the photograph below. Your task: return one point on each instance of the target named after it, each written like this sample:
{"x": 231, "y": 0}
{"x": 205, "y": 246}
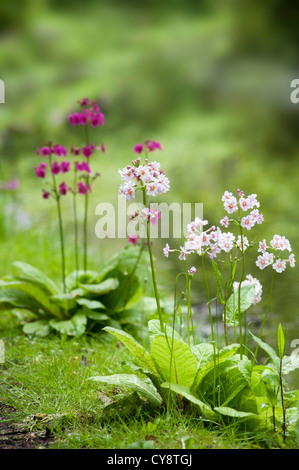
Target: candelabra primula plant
{"x": 88, "y": 299}
{"x": 223, "y": 382}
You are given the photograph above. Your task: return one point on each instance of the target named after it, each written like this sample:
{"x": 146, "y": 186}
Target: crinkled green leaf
{"x": 38, "y": 328}
{"x": 178, "y": 366}
{"x": 186, "y": 392}
{"x": 227, "y": 411}
{"x": 222, "y": 355}
{"x": 204, "y": 353}
{"x": 36, "y": 293}
{"x": 73, "y": 327}
{"x": 102, "y": 288}
{"x": 138, "y": 351}
{"x": 90, "y": 304}
{"x": 247, "y": 295}
{"x": 155, "y": 329}
{"x": 36, "y": 276}
{"x": 133, "y": 382}
{"x": 268, "y": 349}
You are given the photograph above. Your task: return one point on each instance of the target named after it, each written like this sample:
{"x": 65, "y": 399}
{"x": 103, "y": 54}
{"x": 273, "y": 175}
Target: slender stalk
{"x": 211, "y": 323}
{"x": 57, "y": 197}
{"x": 85, "y": 211}
{"x": 152, "y": 266}
{"x": 265, "y": 317}
{"x": 239, "y": 292}
{"x": 282, "y": 402}
{"x": 85, "y": 229}
{"x": 75, "y": 224}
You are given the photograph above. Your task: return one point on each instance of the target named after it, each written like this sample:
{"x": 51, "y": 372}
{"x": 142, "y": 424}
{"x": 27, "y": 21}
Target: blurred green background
{"x": 209, "y": 80}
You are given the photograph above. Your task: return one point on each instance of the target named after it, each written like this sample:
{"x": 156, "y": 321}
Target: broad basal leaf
{"x": 38, "y": 328}
{"x": 90, "y": 304}
{"x": 174, "y": 360}
{"x": 73, "y": 327}
{"x": 37, "y": 277}
{"x": 102, "y": 288}
{"x": 133, "y": 382}
{"x": 138, "y": 351}
{"x": 203, "y": 352}
{"x": 226, "y": 411}
{"x": 36, "y": 293}
{"x": 247, "y": 295}
{"x": 186, "y": 392}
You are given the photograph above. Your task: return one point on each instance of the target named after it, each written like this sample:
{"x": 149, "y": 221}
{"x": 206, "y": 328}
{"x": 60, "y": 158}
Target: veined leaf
{"x": 290, "y": 363}
{"x": 178, "y": 366}
{"x": 247, "y": 295}
{"x": 90, "y": 304}
{"x": 102, "y": 288}
{"x": 219, "y": 281}
{"x": 203, "y": 352}
{"x": 73, "y": 327}
{"x": 226, "y": 411}
{"x": 222, "y": 356}
{"x": 186, "y": 392}
{"x": 133, "y": 382}
{"x": 155, "y": 329}
{"x": 280, "y": 341}
{"x": 268, "y": 349}
{"x": 142, "y": 356}
{"x": 35, "y": 292}
{"x": 39, "y": 328}
{"x": 37, "y": 277}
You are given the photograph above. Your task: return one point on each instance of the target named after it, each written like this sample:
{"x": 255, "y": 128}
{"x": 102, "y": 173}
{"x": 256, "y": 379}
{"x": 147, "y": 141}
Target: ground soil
{"x": 14, "y": 435}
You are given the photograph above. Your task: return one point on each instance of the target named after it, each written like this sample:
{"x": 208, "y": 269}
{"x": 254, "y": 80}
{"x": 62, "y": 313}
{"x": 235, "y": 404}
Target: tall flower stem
{"x": 57, "y": 197}
{"x": 265, "y": 317}
{"x": 211, "y": 322}
{"x": 85, "y": 211}
{"x": 75, "y": 223}
{"x": 152, "y": 265}
{"x": 239, "y": 291}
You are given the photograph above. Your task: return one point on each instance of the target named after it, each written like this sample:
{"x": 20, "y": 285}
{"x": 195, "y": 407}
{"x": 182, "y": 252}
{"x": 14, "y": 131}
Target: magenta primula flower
{"x": 63, "y": 189}
{"x": 56, "y": 168}
{"x": 83, "y": 188}
{"x": 41, "y": 170}
{"x": 65, "y": 166}
{"x": 44, "y": 151}
{"x": 138, "y": 148}
{"x": 92, "y": 115}
{"x": 88, "y": 150}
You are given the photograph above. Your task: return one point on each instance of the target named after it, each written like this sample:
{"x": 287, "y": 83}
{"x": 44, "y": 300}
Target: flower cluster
{"x": 271, "y": 255}
{"x": 62, "y": 166}
{"x": 146, "y": 176}
{"x": 233, "y": 204}
{"x": 258, "y": 287}
{"x": 92, "y": 115}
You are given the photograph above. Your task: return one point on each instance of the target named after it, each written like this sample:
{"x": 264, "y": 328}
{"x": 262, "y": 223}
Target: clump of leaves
{"x": 93, "y": 299}
{"x": 222, "y": 388}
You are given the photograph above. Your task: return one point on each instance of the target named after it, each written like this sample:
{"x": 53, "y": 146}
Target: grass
{"x": 49, "y": 378}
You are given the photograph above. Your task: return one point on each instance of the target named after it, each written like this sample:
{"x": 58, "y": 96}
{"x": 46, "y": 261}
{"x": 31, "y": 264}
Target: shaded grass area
{"x": 45, "y": 381}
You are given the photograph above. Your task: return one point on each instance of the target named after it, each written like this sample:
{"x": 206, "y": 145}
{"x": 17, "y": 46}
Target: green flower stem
{"x": 75, "y": 223}
{"x": 265, "y": 317}
{"x": 85, "y": 211}
{"x": 239, "y": 290}
{"x": 57, "y": 197}
{"x": 211, "y": 323}
{"x": 152, "y": 266}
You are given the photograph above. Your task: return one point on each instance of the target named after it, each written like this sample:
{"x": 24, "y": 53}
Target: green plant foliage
{"x": 93, "y": 300}
{"x": 224, "y": 387}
